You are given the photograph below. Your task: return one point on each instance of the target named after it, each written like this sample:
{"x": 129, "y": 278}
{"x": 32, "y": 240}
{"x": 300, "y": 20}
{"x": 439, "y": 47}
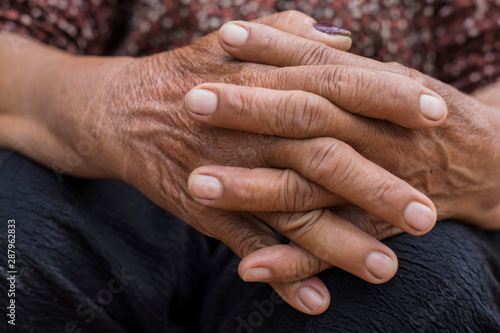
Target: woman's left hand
{"x": 457, "y": 164}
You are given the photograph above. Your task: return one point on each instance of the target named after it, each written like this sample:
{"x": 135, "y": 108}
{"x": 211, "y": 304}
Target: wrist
{"x": 51, "y": 102}
{"x": 23, "y": 77}
{"x": 79, "y": 103}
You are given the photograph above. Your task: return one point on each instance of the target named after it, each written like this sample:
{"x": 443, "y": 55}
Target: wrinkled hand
{"x": 125, "y": 118}
{"x": 455, "y": 164}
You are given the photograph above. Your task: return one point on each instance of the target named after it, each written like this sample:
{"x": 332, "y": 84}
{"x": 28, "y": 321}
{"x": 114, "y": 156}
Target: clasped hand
{"x": 272, "y": 125}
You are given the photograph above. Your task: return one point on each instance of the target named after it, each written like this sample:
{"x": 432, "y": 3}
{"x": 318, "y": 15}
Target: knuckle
{"x": 246, "y": 102}
{"x": 243, "y": 241}
{"x": 312, "y": 265}
{"x": 311, "y": 53}
{"x": 397, "y": 68}
{"x": 271, "y": 44}
{"x": 333, "y": 76}
{"x": 364, "y": 93}
{"x": 289, "y": 187}
{"x": 417, "y": 76}
{"x": 364, "y": 84}
{"x": 397, "y": 93}
{"x": 285, "y": 108}
{"x": 382, "y": 193}
{"x": 342, "y": 84}
{"x": 297, "y": 225}
{"x": 297, "y": 112}
{"x": 367, "y": 222}
{"x": 247, "y": 194}
{"x": 276, "y": 19}
{"x": 282, "y": 221}
{"x": 292, "y": 194}
{"x": 304, "y": 267}
{"x": 249, "y": 75}
{"x": 290, "y": 15}
{"x": 308, "y": 114}
{"x": 249, "y": 243}
{"x": 270, "y": 153}
{"x": 331, "y": 164}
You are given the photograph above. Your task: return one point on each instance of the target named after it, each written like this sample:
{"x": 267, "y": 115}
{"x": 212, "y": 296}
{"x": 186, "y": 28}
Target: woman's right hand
{"x": 125, "y": 118}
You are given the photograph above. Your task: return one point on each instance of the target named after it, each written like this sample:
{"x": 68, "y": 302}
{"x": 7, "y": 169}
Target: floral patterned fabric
{"x": 456, "y": 41}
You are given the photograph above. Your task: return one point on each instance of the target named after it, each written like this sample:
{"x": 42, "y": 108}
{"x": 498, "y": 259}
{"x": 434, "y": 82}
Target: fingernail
{"x": 310, "y": 298}
{"x": 201, "y": 101}
{"x": 258, "y": 274}
{"x": 432, "y": 107}
{"x": 205, "y": 187}
{"x": 419, "y": 216}
{"x": 380, "y": 265}
{"x": 233, "y": 35}
{"x": 331, "y": 29}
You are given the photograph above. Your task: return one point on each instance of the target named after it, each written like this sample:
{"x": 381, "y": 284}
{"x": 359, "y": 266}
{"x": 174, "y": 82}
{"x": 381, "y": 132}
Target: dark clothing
{"x": 96, "y": 255}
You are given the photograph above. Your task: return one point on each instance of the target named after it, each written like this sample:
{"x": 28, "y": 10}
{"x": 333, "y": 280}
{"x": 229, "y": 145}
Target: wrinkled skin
{"x": 125, "y": 118}
{"x": 455, "y": 164}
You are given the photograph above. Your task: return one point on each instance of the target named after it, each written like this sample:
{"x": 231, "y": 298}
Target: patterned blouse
{"x": 456, "y": 41}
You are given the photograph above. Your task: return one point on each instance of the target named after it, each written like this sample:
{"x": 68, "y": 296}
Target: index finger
{"x": 373, "y": 93}
{"x": 270, "y": 46}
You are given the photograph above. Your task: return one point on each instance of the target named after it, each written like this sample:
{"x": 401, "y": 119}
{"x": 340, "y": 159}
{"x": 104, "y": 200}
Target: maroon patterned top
{"x": 456, "y": 41}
